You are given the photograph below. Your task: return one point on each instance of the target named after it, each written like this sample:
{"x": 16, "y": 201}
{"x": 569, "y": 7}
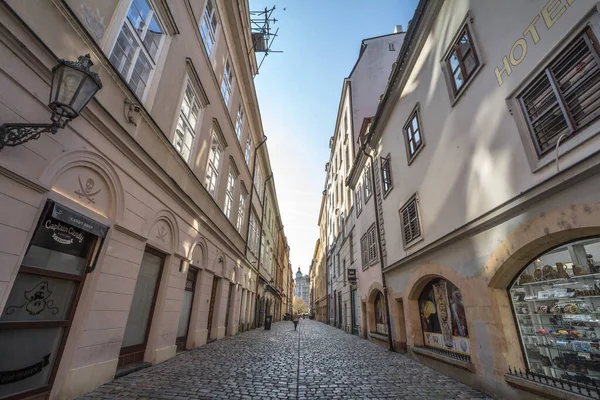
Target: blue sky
{"x": 299, "y": 92}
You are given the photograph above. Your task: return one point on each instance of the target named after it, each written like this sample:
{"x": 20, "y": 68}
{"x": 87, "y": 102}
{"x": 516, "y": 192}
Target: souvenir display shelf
{"x": 557, "y": 309}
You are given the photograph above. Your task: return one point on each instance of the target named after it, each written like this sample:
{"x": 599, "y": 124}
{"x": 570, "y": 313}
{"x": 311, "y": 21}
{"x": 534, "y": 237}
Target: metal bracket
{"x": 12, "y": 135}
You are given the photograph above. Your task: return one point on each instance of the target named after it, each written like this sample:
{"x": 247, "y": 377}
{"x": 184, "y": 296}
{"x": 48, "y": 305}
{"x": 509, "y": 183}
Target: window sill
{"x": 413, "y": 242}
{"x": 457, "y": 363}
{"x": 541, "y": 389}
{"x": 385, "y": 194}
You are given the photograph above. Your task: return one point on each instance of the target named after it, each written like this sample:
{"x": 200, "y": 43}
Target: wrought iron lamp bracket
{"x": 12, "y": 135}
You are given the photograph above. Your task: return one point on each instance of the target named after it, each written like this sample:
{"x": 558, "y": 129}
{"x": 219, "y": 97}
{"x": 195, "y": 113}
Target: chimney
{"x": 398, "y": 29}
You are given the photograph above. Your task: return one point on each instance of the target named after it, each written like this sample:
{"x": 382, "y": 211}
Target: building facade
{"x": 302, "y": 287}
{"x": 358, "y": 100}
{"x": 487, "y": 156}
{"x": 134, "y": 232}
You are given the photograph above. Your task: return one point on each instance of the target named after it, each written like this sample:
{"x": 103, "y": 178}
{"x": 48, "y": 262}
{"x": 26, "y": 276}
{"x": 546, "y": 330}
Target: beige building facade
{"x": 133, "y": 233}
{"x": 486, "y": 138}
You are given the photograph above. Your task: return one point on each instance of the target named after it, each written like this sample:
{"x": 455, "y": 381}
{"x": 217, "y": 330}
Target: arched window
{"x": 556, "y": 301}
{"x": 380, "y": 316}
{"x": 443, "y": 317}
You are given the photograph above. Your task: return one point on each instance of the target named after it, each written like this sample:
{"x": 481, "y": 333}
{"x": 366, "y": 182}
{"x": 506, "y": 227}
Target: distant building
{"x": 301, "y": 286}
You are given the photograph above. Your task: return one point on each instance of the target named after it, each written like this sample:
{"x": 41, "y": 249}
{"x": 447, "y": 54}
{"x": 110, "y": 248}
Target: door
{"x": 39, "y": 311}
{"x": 229, "y": 305}
{"x": 186, "y": 309}
{"x": 339, "y": 310}
{"x": 211, "y": 309}
{"x": 354, "y": 311}
{"x": 139, "y": 321}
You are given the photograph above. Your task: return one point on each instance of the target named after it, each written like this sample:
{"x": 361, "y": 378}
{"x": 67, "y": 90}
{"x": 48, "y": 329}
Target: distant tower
{"x": 301, "y": 286}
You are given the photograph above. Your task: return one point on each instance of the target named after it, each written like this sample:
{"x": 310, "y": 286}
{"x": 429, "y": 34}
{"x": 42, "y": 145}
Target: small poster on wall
{"x": 443, "y": 317}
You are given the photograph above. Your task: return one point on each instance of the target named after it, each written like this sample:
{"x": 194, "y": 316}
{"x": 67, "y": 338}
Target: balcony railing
{"x": 588, "y": 389}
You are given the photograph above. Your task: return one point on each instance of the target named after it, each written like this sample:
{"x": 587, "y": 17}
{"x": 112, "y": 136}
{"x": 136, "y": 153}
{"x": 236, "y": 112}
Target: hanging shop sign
{"x": 352, "y": 275}
{"x": 443, "y": 317}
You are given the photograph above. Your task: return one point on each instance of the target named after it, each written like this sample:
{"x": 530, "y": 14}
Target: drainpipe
{"x": 387, "y": 306}
{"x": 252, "y": 191}
{"x": 260, "y": 235}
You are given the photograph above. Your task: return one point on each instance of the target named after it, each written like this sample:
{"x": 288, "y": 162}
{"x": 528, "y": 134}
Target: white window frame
{"x": 368, "y": 184}
{"x": 239, "y": 122}
{"x": 209, "y": 17}
{"x": 229, "y": 193}
{"x": 140, "y": 50}
{"x": 213, "y": 167}
{"x": 248, "y": 151}
{"x": 227, "y": 81}
{"x": 358, "y": 199}
{"x": 241, "y": 212}
{"x": 179, "y": 140}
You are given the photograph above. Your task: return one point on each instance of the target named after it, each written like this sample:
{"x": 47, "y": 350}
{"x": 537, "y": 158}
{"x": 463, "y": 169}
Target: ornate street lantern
{"x": 73, "y": 86}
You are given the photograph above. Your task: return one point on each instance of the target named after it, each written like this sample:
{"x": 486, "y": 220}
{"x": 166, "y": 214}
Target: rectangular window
{"x": 214, "y": 166}
{"x": 239, "y": 122}
{"x": 462, "y": 61}
{"x": 411, "y": 226}
{"x": 258, "y": 182}
{"x": 345, "y": 123}
{"x": 348, "y": 161}
{"x": 351, "y": 248}
{"x": 135, "y": 52}
{"x": 386, "y": 174}
{"x": 564, "y": 97}
{"x": 391, "y": 46}
{"x": 240, "y": 221}
{"x": 358, "y": 200}
{"x": 186, "y": 124}
{"x": 248, "y": 151}
{"x": 412, "y": 135}
{"x": 367, "y": 183}
{"x": 368, "y": 247}
{"x": 229, "y": 193}
{"x": 226, "y": 83}
{"x": 253, "y": 233}
{"x": 208, "y": 27}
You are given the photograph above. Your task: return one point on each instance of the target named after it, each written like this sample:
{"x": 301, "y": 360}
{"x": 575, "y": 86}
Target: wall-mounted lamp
{"x": 73, "y": 86}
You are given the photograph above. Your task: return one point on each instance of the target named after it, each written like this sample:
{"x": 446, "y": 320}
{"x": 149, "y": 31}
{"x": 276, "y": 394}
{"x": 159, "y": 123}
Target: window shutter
{"x": 410, "y": 221}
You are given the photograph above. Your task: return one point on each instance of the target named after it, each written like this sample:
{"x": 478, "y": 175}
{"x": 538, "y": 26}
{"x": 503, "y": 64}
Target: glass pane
{"x": 38, "y": 298}
{"x": 193, "y": 117}
{"x": 453, "y": 61}
{"x": 417, "y": 138}
{"x": 470, "y": 62}
{"x": 143, "y": 300}
{"x": 184, "y": 317}
{"x": 59, "y": 247}
{"x": 443, "y": 317}
{"x": 415, "y": 124}
{"x": 26, "y": 358}
{"x": 458, "y": 79}
{"x": 85, "y": 94}
{"x": 153, "y": 38}
{"x": 137, "y": 14}
{"x": 71, "y": 79}
{"x": 140, "y": 75}
{"x": 123, "y": 52}
{"x": 464, "y": 44}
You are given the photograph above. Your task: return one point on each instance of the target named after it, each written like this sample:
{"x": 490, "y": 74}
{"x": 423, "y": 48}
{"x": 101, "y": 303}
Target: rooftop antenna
{"x": 262, "y": 36}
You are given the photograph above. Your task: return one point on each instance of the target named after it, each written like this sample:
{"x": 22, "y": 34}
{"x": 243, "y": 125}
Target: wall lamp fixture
{"x": 73, "y": 86}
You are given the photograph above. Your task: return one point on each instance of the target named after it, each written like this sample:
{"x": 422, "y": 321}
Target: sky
{"x": 299, "y": 92}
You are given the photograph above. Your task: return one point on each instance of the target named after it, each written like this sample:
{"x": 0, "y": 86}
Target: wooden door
{"x": 211, "y": 310}
{"x": 186, "y": 309}
{"x": 229, "y": 305}
{"x": 139, "y": 321}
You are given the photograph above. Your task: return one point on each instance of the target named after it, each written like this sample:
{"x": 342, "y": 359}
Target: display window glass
{"x": 443, "y": 317}
{"x": 556, "y": 301}
{"x": 380, "y": 317}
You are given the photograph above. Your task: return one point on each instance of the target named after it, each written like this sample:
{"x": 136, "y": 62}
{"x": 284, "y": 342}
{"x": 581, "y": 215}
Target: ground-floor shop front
{"x": 521, "y": 295}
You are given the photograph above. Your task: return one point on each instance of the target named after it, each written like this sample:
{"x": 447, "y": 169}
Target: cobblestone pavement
{"x": 317, "y": 362}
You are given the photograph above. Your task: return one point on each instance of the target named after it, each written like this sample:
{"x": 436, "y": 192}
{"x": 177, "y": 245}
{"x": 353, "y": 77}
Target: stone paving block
{"x": 316, "y": 362}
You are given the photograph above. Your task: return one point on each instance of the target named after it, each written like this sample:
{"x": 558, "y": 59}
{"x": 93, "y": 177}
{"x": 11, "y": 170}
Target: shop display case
{"x": 556, "y": 301}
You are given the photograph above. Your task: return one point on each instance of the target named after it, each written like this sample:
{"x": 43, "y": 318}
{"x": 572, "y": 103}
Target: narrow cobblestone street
{"x": 319, "y": 362}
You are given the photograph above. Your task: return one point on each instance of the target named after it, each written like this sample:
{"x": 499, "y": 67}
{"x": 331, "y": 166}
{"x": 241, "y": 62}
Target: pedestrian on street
{"x": 295, "y": 319}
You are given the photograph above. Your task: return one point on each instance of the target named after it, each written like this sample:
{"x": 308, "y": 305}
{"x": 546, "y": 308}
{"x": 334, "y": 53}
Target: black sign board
{"x": 352, "y": 275}
{"x": 75, "y": 219}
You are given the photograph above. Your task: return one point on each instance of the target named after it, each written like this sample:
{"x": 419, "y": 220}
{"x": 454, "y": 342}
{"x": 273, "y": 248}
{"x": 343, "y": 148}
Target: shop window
{"x": 380, "y": 316}
{"x": 443, "y": 317}
{"x": 556, "y": 301}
